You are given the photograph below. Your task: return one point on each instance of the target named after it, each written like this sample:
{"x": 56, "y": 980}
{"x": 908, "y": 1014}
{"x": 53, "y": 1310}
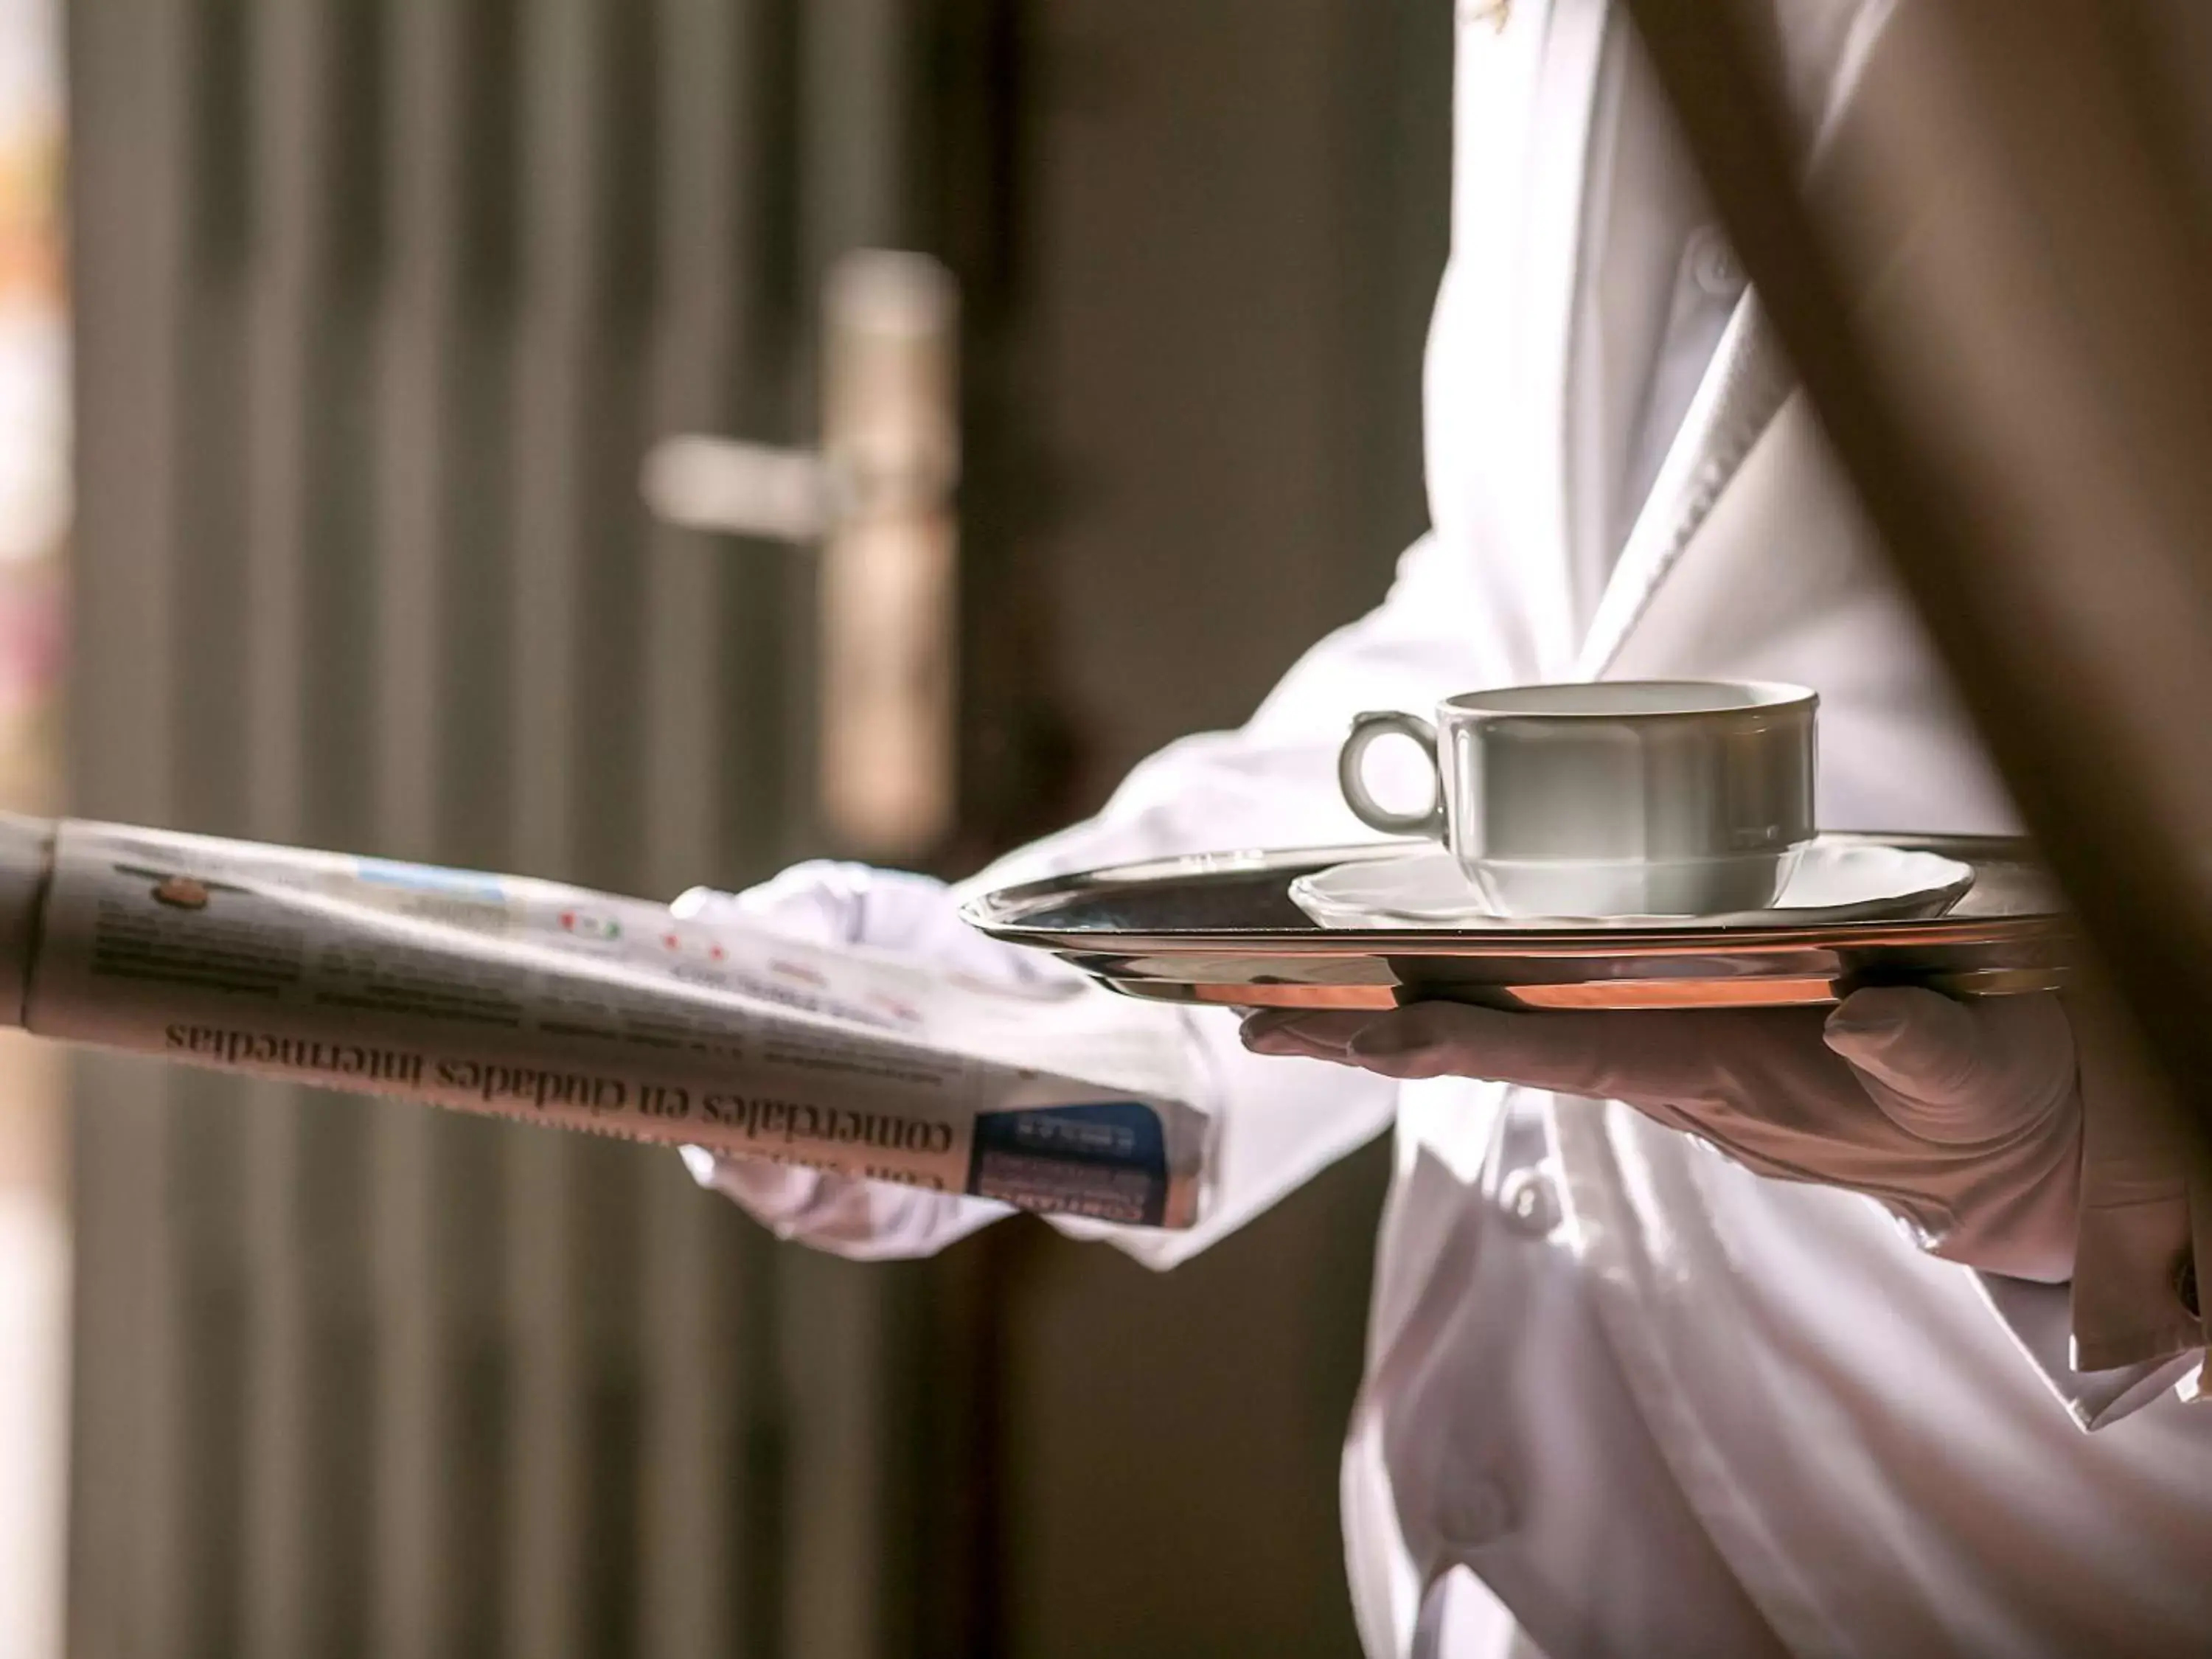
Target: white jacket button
{"x": 1713, "y": 264}
{"x": 1473, "y": 1511}
{"x": 1530, "y": 1200}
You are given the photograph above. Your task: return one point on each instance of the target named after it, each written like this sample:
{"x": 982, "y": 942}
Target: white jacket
{"x": 1652, "y": 1404}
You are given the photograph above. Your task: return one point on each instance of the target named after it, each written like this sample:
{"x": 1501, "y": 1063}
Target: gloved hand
{"x": 853, "y": 904}
{"x": 1963, "y": 1119}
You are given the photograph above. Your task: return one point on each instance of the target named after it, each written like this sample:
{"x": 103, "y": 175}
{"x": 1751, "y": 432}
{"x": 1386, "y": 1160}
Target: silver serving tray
{"x": 1220, "y": 927}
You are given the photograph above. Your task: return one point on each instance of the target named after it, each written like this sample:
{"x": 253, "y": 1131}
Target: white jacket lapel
{"x": 1742, "y": 389}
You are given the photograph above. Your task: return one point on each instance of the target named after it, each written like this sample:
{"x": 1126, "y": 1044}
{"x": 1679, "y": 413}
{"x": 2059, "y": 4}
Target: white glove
{"x": 1964, "y": 1119}
{"x": 853, "y": 904}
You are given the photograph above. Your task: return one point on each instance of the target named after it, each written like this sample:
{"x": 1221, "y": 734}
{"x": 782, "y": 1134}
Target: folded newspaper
{"x": 556, "y": 1005}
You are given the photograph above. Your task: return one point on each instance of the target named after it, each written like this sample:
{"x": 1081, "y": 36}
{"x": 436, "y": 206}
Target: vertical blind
{"x": 379, "y": 303}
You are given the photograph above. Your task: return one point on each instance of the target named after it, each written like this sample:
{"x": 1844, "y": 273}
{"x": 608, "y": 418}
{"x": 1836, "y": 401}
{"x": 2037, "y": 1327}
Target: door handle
{"x": 877, "y": 499}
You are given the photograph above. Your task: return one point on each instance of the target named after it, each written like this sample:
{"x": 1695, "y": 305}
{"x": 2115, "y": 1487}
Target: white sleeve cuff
{"x": 2040, "y": 1319}
{"x": 2146, "y": 1203}
{"x": 860, "y": 1220}
{"x": 2133, "y": 1239}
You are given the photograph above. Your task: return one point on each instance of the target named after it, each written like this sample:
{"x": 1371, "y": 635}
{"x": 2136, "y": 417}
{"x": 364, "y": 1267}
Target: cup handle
{"x": 1351, "y": 779}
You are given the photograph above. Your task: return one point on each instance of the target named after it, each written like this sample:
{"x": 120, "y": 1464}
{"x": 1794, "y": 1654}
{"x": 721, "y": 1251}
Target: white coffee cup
{"x": 1610, "y": 798}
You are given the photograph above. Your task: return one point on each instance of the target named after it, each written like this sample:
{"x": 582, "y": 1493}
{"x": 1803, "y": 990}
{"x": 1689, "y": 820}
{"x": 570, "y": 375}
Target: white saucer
{"x": 1833, "y": 882}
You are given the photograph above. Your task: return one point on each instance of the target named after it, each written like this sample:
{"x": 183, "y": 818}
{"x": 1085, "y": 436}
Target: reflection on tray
{"x": 1222, "y": 930}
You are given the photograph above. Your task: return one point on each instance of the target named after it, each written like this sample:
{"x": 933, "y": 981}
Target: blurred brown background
{"x": 379, "y": 304}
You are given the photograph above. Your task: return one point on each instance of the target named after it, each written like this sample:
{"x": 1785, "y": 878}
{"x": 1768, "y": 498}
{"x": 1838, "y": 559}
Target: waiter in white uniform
{"x": 1624, "y": 1396}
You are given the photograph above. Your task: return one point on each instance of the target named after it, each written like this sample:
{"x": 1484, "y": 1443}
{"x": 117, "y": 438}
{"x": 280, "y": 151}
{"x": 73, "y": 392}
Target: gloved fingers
{"x": 1951, "y": 1072}
{"x": 818, "y": 901}
{"x": 777, "y": 1195}
{"x": 862, "y": 1220}
{"x": 1574, "y": 1054}
{"x": 1580, "y": 1053}
{"x": 1376, "y": 1040}
{"x": 1915, "y": 1041}
{"x": 917, "y": 917}
{"x": 841, "y": 903}
{"x": 1645, "y": 1058}
{"x": 1756, "y": 1082}
{"x": 700, "y": 903}
{"x": 824, "y": 902}
{"x": 1305, "y": 1033}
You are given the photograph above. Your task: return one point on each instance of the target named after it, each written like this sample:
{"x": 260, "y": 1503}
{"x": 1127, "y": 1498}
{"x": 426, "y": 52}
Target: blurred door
{"x": 379, "y": 306}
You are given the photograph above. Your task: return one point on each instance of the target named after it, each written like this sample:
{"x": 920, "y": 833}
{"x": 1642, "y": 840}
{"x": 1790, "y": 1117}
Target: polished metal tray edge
{"x": 1964, "y": 953}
